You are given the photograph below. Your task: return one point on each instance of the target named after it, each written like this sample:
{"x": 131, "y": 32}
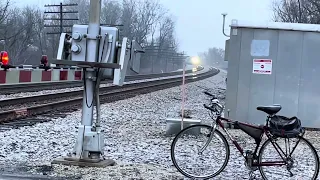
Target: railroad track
{"x": 42, "y": 112}
{"x": 32, "y": 87}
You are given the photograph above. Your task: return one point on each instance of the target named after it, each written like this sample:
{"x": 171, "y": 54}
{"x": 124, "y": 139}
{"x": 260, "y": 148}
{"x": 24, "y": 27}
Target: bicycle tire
{"x": 205, "y": 177}
{"x": 300, "y": 138}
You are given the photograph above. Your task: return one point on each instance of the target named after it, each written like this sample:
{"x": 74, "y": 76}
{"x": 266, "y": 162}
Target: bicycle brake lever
{"x": 216, "y": 101}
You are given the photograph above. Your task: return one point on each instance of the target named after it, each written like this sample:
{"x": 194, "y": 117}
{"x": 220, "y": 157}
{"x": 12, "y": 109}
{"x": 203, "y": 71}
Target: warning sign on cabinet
{"x": 262, "y": 66}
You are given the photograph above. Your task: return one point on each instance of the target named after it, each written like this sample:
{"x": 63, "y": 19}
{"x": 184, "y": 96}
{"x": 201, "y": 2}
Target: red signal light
{"x": 44, "y": 60}
{"x": 4, "y": 57}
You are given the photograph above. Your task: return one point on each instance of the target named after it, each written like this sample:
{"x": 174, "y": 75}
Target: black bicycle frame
{"x": 264, "y": 130}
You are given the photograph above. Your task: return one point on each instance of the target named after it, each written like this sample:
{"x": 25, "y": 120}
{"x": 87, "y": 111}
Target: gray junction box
{"x": 273, "y": 63}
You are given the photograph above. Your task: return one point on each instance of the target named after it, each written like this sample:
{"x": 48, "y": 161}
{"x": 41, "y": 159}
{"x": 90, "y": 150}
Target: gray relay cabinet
{"x": 273, "y": 63}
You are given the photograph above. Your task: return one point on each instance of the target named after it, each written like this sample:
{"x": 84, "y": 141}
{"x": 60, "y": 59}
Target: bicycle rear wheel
{"x": 302, "y": 159}
{"x": 197, "y": 140}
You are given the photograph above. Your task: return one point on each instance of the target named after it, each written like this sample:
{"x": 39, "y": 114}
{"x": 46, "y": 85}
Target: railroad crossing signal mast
{"x": 102, "y": 55}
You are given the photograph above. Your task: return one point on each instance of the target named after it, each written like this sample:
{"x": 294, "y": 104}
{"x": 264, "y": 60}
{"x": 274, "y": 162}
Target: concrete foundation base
{"x": 174, "y": 125}
{"x": 82, "y": 163}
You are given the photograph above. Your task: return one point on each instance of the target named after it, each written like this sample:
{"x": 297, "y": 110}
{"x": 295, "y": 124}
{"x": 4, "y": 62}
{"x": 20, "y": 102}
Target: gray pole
{"x": 61, "y": 19}
{"x": 92, "y": 49}
{"x": 91, "y": 56}
{"x": 90, "y": 141}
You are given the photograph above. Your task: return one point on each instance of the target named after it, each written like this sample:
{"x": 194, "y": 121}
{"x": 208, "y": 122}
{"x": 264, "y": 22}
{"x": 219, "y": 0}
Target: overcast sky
{"x": 199, "y": 22}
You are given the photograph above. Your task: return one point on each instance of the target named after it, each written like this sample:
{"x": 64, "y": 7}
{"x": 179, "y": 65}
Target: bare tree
{"x": 127, "y": 17}
{"x": 297, "y": 11}
{"x": 147, "y": 21}
{"x": 165, "y": 42}
{"x": 19, "y": 34}
{"x": 214, "y": 57}
{"x": 166, "y": 32}
{"x": 4, "y": 10}
{"x": 83, "y": 8}
{"x": 149, "y": 13}
{"x": 111, "y": 12}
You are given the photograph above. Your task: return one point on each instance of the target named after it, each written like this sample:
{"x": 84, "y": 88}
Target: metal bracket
{"x": 61, "y": 46}
{"x": 119, "y": 74}
{"x": 88, "y": 36}
{"x": 223, "y": 24}
{"x": 84, "y": 64}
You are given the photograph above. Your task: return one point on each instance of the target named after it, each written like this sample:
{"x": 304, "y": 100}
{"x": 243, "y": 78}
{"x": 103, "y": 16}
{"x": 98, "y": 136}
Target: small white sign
{"x": 262, "y": 66}
{"x": 260, "y": 48}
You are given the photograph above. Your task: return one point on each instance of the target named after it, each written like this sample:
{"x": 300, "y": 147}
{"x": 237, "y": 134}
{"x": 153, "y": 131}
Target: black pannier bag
{"x": 285, "y": 127}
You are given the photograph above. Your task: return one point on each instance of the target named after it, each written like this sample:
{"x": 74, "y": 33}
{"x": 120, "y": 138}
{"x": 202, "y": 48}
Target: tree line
{"x": 296, "y": 11}
{"x": 214, "y": 57}
{"x": 24, "y": 35}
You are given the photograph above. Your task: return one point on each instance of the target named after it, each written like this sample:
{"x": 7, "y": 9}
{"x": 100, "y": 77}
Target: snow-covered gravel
{"x": 134, "y": 137}
{"x": 43, "y": 92}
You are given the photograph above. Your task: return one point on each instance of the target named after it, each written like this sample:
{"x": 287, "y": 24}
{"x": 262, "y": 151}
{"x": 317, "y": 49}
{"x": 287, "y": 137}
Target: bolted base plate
{"x": 82, "y": 163}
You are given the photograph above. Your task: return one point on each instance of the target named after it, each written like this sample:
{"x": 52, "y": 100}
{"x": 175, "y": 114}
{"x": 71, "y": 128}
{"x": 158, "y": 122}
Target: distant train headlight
{"x": 195, "y": 60}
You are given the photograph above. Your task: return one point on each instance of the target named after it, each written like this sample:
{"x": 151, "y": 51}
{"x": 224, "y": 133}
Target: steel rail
{"x": 32, "y": 87}
{"x": 50, "y": 96}
{"x": 115, "y": 94}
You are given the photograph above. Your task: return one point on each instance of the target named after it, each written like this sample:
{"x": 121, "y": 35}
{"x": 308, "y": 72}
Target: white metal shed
{"x": 273, "y": 63}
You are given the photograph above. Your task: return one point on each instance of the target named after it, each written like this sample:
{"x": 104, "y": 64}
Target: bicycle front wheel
{"x": 197, "y": 152}
{"x": 301, "y": 159}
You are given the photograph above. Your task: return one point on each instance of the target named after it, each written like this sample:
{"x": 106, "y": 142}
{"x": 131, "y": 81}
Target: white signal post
{"x": 92, "y": 49}
{"x": 95, "y": 48}
{"x": 91, "y": 56}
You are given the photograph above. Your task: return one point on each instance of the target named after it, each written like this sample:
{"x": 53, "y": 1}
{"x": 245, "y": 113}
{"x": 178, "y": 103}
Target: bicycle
{"x": 252, "y": 160}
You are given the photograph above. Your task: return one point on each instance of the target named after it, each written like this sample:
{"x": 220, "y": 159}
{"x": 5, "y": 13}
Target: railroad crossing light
{"x": 44, "y": 60}
{"x": 113, "y": 55}
{"x": 4, "y": 58}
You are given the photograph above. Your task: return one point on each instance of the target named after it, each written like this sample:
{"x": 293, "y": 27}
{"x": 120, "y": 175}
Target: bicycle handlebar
{"x": 210, "y": 108}
{"x": 209, "y": 94}
{"x": 215, "y": 102}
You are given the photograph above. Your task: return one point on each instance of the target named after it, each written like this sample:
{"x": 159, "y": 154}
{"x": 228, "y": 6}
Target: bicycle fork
{"x": 209, "y": 140}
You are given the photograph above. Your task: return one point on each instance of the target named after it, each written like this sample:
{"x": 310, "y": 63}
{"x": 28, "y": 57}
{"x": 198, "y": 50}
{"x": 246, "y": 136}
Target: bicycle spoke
{"x": 278, "y": 150}
{"x": 294, "y": 147}
{"x": 200, "y": 155}
{"x": 300, "y": 162}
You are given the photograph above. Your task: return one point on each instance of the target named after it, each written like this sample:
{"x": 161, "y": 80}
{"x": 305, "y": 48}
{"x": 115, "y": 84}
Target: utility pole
{"x": 61, "y": 19}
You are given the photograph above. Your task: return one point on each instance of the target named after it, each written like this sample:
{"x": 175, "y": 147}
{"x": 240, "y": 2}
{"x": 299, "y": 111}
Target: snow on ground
{"x": 134, "y": 137}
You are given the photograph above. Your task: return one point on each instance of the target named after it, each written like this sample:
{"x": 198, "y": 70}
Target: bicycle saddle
{"x": 273, "y": 109}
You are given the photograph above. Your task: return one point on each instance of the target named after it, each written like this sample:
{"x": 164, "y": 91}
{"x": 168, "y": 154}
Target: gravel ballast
{"x": 43, "y": 92}
{"x": 134, "y": 137}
